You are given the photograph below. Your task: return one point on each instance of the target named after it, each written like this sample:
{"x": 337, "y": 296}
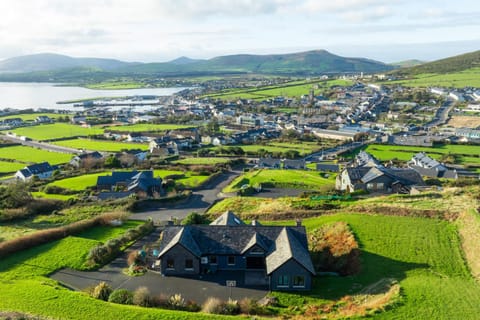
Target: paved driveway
{"x": 197, "y": 288}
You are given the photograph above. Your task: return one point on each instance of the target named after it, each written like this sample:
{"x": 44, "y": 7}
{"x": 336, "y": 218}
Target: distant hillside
{"x": 449, "y": 65}
{"x": 60, "y": 68}
{"x": 50, "y": 61}
{"x": 311, "y": 62}
{"x": 407, "y": 63}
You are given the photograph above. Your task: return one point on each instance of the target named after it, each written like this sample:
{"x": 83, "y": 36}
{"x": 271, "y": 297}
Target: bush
{"x": 195, "y": 218}
{"x": 177, "y": 302}
{"x": 121, "y": 296}
{"x": 251, "y": 307}
{"x": 141, "y": 297}
{"x": 159, "y": 301}
{"x": 212, "y": 305}
{"x": 102, "y": 291}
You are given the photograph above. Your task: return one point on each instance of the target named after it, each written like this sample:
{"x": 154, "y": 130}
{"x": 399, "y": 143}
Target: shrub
{"x": 177, "y": 302}
{"x": 102, "y": 291}
{"x": 160, "y": 301}
{"x": 195, "y": 218}
{"x": 251, "y": 307}
{"x": 121, "y": 296}
{"x": 133, "y": 258}
{"x": 97, "y": 254}
{"x": 141, "y": 297}
{"x": 231, "y": 307}
{"x": 212, "y": 305}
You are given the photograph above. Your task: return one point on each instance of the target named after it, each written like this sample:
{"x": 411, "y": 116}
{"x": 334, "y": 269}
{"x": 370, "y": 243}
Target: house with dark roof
{"x": 78, "y": 160}
{"x": 429, "y": 167}
{"x": 270, "y": 163}
{"x": 367, "y": 174}
{"x": 278, "y": 256}
{"x": 41, "y": 170}
{"x": 124, "y": 183}
{"x": 294, "y": 164}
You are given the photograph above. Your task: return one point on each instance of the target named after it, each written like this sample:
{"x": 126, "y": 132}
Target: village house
{"x": 429, "y": 167}
{"x": 121, "y": 184}
{"x": 367, "y": 174}
{"x": 81, "y": 159}
{"x": 276, "y": 256}
{"x": 40, "y": 170}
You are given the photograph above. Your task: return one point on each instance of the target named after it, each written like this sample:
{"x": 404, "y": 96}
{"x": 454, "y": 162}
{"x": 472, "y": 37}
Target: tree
{"x": 16, "y": 195}
{"x": 195, "y": 218}
{"x": 112, "y": 162}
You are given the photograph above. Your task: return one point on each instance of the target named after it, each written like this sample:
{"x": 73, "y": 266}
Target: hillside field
{"x": 33, "y": 116}
{"x": 100, "y": 145}
{"x": 466, "y": 78}
{"x": 29, "y": 155}
{"x": 148, "y": 127}
{"x": 55, "y": 131}
{"x": 298, "y": 179}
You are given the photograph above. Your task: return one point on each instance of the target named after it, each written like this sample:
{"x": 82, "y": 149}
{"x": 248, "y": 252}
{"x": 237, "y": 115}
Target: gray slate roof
{"x": 280, "y": 243}
{"x": 227, "y": 219}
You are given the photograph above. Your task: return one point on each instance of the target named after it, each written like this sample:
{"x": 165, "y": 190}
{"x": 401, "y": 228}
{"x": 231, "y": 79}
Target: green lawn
{"x": 100, "y": 145}
{"x": 424, "y": 255}
{"x": 202, "y": 161}
{"x": 7, "y": 166}
{"x": 30, "y": 155}
{"x": 55, "y": 131}
{"x": 25, "y": 287}
{"x": 299, "y": 179}
{"x": 82, "y": 182}
{"x": 148, "y": 127}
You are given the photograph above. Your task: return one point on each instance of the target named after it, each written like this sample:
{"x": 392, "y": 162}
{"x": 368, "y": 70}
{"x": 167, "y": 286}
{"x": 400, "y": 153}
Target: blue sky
{"x": 161, "y": 30}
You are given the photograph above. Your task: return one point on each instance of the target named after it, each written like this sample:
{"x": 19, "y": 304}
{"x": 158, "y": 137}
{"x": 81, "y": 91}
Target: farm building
{"x": 41, "y": 170}
{"x": 265, "y": 255}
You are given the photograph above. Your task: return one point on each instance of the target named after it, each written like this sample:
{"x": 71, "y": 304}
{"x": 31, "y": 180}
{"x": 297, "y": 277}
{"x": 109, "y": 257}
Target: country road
{"x": 41, "y": 145}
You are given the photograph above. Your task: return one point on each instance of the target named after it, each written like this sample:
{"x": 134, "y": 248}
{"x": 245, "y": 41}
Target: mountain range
{"x": 55, "y": 67}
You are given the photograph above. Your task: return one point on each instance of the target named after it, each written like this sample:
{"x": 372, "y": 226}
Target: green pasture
{"x": 30, "y": 155}
{"x": 7, "y": 166}
{"x": 100, "y": 145}
{"x": 289, "y": 89}
{"x": 148, "y": 127}
{"x": 466, "y": 78}
{"x": 424, "y": 255}
{"x": 202, "y": 161}
{"x": 55, "y": 131}
{"x": 115, "y": 85}
{"x": 299, "y": 179}
{"x": 33, "y": 116}
{"x": 304, "y": 148}
{"x": 468, "y": 154}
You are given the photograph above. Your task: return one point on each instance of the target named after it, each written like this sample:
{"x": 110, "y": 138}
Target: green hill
{"x": 448, "y": 65}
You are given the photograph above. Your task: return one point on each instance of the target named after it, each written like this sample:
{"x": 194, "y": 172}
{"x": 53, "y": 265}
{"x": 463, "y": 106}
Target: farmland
{"x": 148, "y": 127}
{"x": 30, "y": 155}
{"x": 290, "y": 89}
{"x": 100, "y": 145}
{"x": 85, "y": 181}
{"x": 304, "y": 148}
{"x": 7, "y": 166}
{"x": 466, "y": 78}
{"x": 202, "y": 161}
{"x": 469, "y": 155}
{"x": 55, "y": 131}
{"x": 298, "y": 179}
{"x": 33, "y": 116}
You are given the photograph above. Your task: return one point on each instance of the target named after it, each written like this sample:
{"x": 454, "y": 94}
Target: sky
{"x": 162, "y": 30}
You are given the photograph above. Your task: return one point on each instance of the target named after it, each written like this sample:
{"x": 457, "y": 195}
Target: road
{"x": 41, "y": 145}
{"x": 441, "y": 115}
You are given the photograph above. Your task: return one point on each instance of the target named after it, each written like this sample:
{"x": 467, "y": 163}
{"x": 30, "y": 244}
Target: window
{"x": 283, "y": 281}
{"x": 231, "y": 260}
{"x": 299, "y": 281}
{"x": 188, "y": 264}
{"x": 170, "y": 264}
{"x": 213, "y": 259}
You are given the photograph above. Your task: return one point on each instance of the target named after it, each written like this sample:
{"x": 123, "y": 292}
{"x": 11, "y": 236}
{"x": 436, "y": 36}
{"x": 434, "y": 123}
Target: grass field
{"x": 6, "y": 166}
{"x": 55, "y": 131}
{"x": 467, "y": 78}
{"x": 298, "y": 179}
{"x": 148, "y": 127}
{"x": 115, "y": 85}
{"x": 304, "y": 148}
{"x": 422, "y": 254}
{"x": 202, "y": 161}
{"x": 100, "y": 145}
{"x": 31, "y": 155}
{"x": 82, "y": 182}
{"x": 290, "y": 89}
{"x": 468, "y": 154}
{"x": 33, "y": 116}
{"x": 26, "y": 288}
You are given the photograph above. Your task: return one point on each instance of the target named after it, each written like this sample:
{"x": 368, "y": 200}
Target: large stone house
{"x": 276, "y": 256}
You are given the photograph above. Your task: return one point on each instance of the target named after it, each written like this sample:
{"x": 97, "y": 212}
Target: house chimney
{"x": 299, "y": 222}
